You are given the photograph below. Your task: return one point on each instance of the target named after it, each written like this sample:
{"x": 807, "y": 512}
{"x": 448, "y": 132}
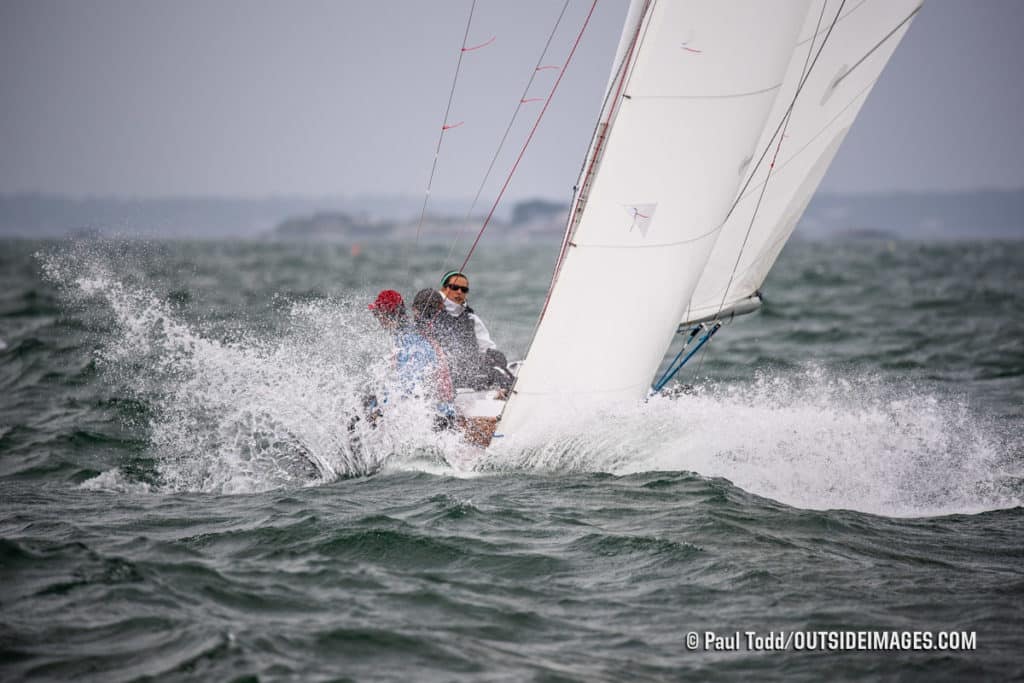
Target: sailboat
{"x": 719, "y": 122}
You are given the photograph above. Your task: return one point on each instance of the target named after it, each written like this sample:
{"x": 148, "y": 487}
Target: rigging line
{"x": 764, "y": 185}
{"x": 522, "y": 100}
{"x": 784, "y": 125}
{"x": 622, "y": 72}
{"x": 444, "y": 126}
{"x": 814, "y": 36}
{"x": 533, "y": 130}
{"x": 785, "y": 120}
{"x": 602, "y": 130}
{"x": 812, "y": 139}
{"x": 789, "y": 110}
{"x": 700, "y": 361}
{"x": 834, "y": 85}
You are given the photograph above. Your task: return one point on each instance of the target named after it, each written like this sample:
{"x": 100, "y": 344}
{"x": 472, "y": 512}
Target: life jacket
{"x": 457, "y": 336}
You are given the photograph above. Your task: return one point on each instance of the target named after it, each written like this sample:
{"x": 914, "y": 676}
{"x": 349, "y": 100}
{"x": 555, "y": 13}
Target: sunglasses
{"x": 458, "y": 288}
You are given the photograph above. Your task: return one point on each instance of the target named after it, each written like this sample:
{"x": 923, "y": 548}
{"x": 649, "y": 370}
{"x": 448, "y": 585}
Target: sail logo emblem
{"x": 640, "y": 216}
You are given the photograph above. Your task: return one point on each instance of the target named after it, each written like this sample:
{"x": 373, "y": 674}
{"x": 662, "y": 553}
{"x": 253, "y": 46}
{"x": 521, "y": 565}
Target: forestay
{"x": 697, "y": 91}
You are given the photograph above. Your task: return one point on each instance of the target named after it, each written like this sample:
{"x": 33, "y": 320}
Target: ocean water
{"x": 181, "y": 497}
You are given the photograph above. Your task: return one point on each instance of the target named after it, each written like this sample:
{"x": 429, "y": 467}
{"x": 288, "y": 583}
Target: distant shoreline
{"x": 987, "y": 214}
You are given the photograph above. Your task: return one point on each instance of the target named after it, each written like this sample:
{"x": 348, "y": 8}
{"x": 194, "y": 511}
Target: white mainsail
{"x": 697, "y": 90}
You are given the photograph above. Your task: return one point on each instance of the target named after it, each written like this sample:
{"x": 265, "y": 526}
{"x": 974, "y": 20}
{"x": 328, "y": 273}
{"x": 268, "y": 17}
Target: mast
{"x": 688, "y": 106}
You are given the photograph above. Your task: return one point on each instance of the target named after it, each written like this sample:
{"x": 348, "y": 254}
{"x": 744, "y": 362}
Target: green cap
{"x": 450, "y": 274}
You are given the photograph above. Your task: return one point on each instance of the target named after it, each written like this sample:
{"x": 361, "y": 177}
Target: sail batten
{"x": 879, "y": 44}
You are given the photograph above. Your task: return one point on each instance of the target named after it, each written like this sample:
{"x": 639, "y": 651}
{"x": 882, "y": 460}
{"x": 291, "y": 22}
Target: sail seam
{"x": 705, "y": 97}
{"x": 649, "y": 246}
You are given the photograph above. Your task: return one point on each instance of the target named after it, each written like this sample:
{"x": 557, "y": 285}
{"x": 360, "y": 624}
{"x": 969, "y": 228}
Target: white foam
{"x": 251, "y": 414}
{"x": 114, "y": 481}
{"x": 810, "y": 440}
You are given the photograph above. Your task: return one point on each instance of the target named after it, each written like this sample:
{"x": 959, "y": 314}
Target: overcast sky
{"x": 253, "y": 98}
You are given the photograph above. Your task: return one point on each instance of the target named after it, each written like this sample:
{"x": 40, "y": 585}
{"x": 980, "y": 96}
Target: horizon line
{"x": 40, "y": 194}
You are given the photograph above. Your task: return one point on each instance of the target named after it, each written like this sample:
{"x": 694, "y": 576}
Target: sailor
{"x": 419, "y": 359}
{"x": 427, "y": 309}
{"x": 475, "y": 360}
{"x": 389, "y": 310}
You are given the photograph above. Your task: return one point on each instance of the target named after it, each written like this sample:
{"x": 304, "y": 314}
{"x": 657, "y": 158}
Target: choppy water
{"x": 180, "y": 497}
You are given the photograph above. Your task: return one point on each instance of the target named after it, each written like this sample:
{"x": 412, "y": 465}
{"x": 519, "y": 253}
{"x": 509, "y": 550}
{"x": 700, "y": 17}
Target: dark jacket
{"x": 458, "y": 339}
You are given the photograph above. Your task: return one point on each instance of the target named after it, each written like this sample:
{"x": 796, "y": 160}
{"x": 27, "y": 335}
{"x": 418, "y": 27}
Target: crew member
{"x": 419, "y": 359}
{"x": 474, "y": 357}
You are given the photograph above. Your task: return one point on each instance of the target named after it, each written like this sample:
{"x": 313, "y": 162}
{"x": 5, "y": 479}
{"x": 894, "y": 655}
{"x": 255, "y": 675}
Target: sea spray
{"x": 528, "y": 568}
{"x": 248, "y": 413}
{"x": 244, "y": 411}
{"x": 811, "y": 439}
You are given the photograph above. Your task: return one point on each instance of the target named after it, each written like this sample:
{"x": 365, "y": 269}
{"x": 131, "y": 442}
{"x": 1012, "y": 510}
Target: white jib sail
{"x": 840, "y": 65}
{"x": 699, "y": 83}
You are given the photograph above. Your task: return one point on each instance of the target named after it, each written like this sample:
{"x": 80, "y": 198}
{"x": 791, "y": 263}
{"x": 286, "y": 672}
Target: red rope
{"x": 444, "y": 125}
{"x": 477, "y": 47}
{"x": 530, "y": 136}
{"x": 508, "y": 129}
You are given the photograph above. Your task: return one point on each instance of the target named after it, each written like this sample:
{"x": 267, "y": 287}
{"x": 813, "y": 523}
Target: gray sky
{"x": 343, "y": 97}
